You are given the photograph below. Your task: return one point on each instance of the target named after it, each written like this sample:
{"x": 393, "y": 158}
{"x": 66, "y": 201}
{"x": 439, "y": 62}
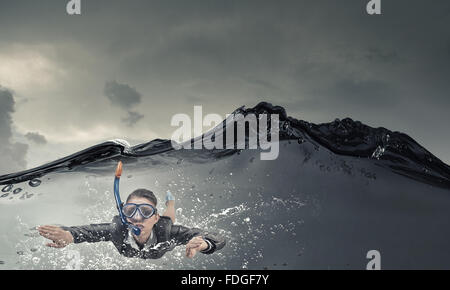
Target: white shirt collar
{"x": 150, "y": 242}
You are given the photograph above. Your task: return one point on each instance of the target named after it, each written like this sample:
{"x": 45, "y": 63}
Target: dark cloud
{"x": 36, "y": 138}
{"x": 195, "y": 100}
{"x": 132, "y": 118}
{"x": 125, "y": 97}
{"x": 349, "y": 95}
{"x": 6, "y": 109}
{"x": 448, "y": 48}
{"x": 378, "y": 55}
{"x": 359, "y": 93}
{"x": 12, "y": 154}
{"x": 264, "y": 84}
{"x": 326, "y": 59}
{"x": 122, "y": 95}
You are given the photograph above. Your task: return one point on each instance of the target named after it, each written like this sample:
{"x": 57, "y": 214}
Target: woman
{"x": 157, "y": 236}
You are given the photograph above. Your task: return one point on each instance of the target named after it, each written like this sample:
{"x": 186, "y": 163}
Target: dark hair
{"x": 145, "y": 193}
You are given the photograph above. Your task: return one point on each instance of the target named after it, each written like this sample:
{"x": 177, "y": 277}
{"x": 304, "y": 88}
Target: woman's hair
{"x": 144, "y": 193}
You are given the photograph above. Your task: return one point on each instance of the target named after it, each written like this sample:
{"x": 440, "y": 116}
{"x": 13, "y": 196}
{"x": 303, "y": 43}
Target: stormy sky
{"x": 123, "y": 68}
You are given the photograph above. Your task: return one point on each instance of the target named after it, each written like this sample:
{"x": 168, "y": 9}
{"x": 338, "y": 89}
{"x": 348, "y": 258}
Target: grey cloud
{"x": 125, "y": 97}
{"x": 195, "y": 100}
{"x": 6, "y": 108}
{"x": 122, "y": 95}
{"x": 36, "y": 138}
{"x": 327, "y": 58}
{"x": 264, "y": 84}
{"x": 364, "y": 93}
{"x": 132, "y": 118}
{"x": 348, "y": 95}
{"x": 12, "y": 154}
{"x": 448, "y": 47}
{"x": 379, "y": 55}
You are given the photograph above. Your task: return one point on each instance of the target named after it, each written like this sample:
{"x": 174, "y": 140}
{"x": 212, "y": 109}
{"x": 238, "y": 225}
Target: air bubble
{"x": 34, "y": 182}
{"x": 17, "y": 190}
{"x": 7, "y": 188}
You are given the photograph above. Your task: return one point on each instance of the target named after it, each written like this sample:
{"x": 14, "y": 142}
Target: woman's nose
{"x": 137, "y": 216}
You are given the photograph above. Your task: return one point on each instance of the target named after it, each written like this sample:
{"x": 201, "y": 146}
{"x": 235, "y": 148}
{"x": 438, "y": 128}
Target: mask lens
{"x": 129, "y": 210}
{"x": 146, "y": 211}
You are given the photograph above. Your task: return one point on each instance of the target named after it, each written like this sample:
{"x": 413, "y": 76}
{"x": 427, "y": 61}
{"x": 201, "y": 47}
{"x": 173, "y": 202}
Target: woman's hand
{"x": 195, "y": 245}
{"x": 60, "y": 237}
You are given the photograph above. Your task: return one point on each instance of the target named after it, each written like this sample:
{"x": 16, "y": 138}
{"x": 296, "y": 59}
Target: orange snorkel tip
{"x": 119, "y": 169}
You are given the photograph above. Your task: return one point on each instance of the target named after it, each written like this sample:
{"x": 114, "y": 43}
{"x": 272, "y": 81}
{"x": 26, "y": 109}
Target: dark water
{"x": 336, "y": 191}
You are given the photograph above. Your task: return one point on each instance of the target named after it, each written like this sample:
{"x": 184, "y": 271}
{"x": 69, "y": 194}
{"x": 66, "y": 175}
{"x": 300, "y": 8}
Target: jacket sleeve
{"x": 182, "y": 235}
{"x": 92, "y": 233}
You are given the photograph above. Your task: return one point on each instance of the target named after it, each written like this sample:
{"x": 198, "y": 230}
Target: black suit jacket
{"x": 167, "y": 234}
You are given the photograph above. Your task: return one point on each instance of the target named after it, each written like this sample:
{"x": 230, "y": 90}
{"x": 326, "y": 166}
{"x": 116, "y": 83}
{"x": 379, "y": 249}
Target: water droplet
{"x": 17, "y": 190}
{"x": 378, "y": 152}
{"x": 7, "y": 188}
{"x": 34, "y": 182}
{"x": 5, "y": 194}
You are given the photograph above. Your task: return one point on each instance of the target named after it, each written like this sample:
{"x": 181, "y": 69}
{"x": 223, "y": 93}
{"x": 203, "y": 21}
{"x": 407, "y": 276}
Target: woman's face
{"x": 146, "y": 225}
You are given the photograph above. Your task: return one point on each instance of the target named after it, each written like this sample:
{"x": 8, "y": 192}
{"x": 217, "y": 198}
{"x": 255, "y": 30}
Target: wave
{"x": 393, "y": 150}
{"x": 336, "y": 191}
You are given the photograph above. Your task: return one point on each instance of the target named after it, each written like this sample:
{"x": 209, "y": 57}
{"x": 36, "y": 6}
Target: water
{"x": 209, "y": 201}
{"x": 275, "y": 215}
{"x": 322, "y": 204}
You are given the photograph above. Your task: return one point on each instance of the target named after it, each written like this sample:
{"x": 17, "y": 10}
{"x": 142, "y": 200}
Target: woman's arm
{"x": 62, "y": 236}
{"x": 91, "y": 233}
{"x": 208, "y": 242}
{"x": 59, "y": 236}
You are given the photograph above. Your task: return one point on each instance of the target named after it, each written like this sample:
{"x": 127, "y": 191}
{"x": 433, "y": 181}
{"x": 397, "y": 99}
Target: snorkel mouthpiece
{"x": 136, "y": 230}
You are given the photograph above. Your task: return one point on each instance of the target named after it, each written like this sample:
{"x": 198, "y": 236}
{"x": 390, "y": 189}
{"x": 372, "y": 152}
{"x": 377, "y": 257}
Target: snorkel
{"x": 136, "y": 230}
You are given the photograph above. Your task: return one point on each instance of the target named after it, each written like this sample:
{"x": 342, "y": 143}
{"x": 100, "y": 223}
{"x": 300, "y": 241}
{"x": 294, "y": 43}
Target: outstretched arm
{"x": 91, "y": 233}
{"x": 62, "y": 236}
{"x": 197, "y": 240}
{"x": 59, "y": 237}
